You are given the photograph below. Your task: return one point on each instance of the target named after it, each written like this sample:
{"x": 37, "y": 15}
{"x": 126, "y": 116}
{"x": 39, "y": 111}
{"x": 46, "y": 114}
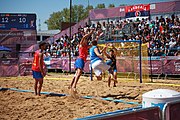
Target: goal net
{"x": 131, "y": 56}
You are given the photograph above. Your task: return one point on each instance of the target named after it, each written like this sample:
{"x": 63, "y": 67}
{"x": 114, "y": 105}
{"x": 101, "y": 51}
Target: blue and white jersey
{"x": 93, "y": 56}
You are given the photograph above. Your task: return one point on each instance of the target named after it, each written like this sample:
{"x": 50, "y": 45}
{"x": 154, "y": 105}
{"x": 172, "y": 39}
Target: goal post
{"x": 132, "y": 58}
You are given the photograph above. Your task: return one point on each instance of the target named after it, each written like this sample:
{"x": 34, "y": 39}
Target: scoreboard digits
{"x": 4, "y": 20}
{"x": 22, "y": 20}
{"x": 10, "y": 21}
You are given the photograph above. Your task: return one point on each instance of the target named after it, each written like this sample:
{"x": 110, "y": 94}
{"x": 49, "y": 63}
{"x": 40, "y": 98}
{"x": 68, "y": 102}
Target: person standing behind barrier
{"x": 38, "y": 68}
{"x": 80, "y": 61}
{"x": 97, "y": 63}
{"x": 112, "y": 62}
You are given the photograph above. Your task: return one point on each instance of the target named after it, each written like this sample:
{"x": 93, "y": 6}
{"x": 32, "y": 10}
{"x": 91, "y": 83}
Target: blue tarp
{"x": 2, "y": 48}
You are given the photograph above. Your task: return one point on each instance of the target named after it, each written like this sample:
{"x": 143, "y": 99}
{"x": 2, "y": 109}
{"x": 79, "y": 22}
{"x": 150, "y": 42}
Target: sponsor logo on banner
{"x": 137, "y": 13}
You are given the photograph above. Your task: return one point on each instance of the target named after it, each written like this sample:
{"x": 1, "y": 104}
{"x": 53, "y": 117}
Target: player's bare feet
{"x": 39, "y": 94}
{"x": 73, "y": 93}
{"x": 114, "y": 85}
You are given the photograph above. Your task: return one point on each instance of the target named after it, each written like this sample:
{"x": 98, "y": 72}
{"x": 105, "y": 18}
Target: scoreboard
{"x": 15, "y": 21}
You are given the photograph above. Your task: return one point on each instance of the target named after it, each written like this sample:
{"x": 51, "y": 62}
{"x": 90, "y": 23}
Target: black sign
{"x": 12, "y": 21}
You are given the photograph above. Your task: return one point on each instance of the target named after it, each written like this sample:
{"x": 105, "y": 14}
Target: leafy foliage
{"x": 111, "y": 6}
{"x": 100, "y": 6}
{"x": 79, "y": 12}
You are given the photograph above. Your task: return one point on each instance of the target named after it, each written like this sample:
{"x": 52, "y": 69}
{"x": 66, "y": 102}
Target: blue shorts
{"x": 109, "y": 62}
{"x": 115, "y": 69}
{"x": 111, "y": 70}
{"x": 79, "y": 63}
{"x": 37, "y": 75}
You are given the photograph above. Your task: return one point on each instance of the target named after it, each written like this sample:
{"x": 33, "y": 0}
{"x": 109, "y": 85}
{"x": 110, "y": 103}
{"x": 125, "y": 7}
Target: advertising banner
{"x": 8, "y": 67}
{"x": 137, "y": 11}
{"x": 169, "y": 65}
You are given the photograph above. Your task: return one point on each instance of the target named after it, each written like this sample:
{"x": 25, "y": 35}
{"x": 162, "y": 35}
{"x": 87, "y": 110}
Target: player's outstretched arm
{"x": 105, "y": 51}
{"x": 85, "y": 37}
{"x": 115, "y": 50}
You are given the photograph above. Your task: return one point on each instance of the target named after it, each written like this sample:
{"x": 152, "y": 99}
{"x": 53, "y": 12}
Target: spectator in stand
{"x": 162, "y": 20}
{"x": 177, "y": 53}
{"x": 157, "y": 20}
{"x": 162, "y": 33}
{"x": 172, "y": 43}
{"x": 104, "y": 27}
{"x": 66, "y": 37}
{"x": 98, "y": 26}
{"x": 62, "y": 40}
{"x": 58, "y": 52}
{"x": 87, "y": 25}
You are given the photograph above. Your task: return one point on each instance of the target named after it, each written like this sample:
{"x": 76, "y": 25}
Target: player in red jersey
{"x": 80, "y": 61}
{"x": 38, "y": 68}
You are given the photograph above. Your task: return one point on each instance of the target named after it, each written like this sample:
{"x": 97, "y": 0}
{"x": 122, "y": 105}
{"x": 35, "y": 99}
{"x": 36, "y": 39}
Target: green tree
{"x": 100, "y": 6}
{"x": 66, "y": 14}
{"x": 87, "y": 9}
{"x": 78, "y": 13}
{"x": 111, "y": 6}
{"x": 54, "y": 21}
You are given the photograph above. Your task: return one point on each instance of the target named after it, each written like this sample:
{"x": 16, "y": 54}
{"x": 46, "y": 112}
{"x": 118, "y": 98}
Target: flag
{"x": 141, "y": 10}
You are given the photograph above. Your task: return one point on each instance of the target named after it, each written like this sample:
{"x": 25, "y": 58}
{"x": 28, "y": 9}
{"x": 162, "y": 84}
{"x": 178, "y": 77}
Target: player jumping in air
{"x": 80, "y": 61}
{"x": 97, "y": 63}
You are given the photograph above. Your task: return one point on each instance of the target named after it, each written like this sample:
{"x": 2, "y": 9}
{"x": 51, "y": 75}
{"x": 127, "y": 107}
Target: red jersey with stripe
{"x": 35, "y": 63}
{"x": 83, "y": 52}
